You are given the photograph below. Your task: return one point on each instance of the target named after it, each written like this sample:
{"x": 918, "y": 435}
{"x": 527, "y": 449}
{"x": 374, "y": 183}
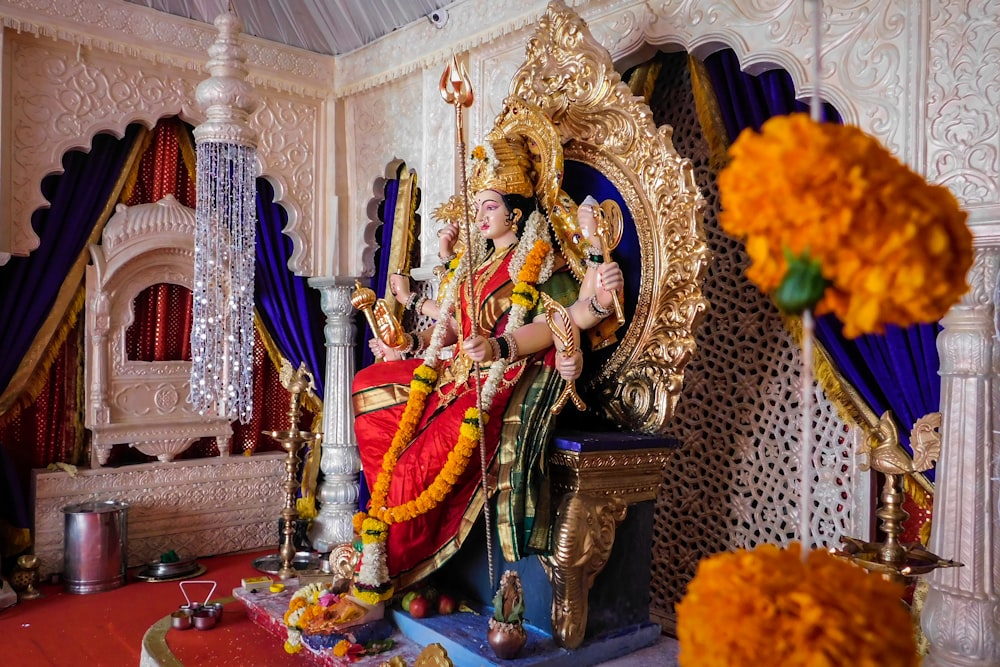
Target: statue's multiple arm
{"x": 591, "y": 307}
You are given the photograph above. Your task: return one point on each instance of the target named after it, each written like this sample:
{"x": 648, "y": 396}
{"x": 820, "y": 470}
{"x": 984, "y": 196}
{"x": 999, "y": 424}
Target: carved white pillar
{"x": 339, "y": 460}
{"x": 960, "y": 616}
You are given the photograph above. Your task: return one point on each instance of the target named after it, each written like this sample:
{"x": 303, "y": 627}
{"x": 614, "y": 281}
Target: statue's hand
{"x": 569, "y": 367}
{"x": 383, "y": 351}
{"x": 478, "y": 348}
{"x": 610, "y": 278}
{"x": 447, "y": 236}
{"x": 399, "y": 285}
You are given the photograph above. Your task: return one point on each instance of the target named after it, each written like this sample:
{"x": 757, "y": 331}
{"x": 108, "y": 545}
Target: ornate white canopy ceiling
{"x": 331, "y": 27}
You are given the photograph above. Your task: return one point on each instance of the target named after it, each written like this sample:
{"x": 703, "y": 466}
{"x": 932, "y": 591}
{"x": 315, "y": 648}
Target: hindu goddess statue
{"x": 417, "y": 415}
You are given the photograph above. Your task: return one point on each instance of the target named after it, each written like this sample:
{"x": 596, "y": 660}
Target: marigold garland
{"x": 768, "y": 607}
{"x": 532, "y": 268}
{"x": 895, "y": 249}
{"x": 438, "y": 490}
{"x": 372, "y": 584}
{"x": 421, "y": 386}
{"x": 525, "y": 295}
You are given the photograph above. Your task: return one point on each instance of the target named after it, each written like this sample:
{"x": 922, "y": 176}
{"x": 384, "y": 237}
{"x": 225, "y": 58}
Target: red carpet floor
{"x": 106, "y": 629}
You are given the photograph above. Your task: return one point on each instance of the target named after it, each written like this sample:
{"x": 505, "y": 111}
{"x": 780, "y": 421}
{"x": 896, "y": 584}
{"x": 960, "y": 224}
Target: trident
{"x": 456, "y": 90}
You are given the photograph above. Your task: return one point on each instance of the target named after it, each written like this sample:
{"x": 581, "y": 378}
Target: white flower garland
{"x": 374, "y": 561}
{"x": 535, "y": 229}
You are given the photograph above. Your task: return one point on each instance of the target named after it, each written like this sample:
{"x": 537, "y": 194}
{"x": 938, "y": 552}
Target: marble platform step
{"x": 463, "y": 636}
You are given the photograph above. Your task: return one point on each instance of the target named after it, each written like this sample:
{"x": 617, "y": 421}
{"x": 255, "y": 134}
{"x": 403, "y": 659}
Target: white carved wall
{"x": 197, "y": 507}
{"x": 73, "y": 69}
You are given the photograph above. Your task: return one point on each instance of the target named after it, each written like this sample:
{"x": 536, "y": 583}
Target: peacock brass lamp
{"x": 291, "y": 441}
{"x": 891, "y": 557}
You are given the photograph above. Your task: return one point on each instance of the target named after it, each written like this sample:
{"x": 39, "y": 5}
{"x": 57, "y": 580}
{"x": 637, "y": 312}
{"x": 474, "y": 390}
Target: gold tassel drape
{"x": 706, "y": 105}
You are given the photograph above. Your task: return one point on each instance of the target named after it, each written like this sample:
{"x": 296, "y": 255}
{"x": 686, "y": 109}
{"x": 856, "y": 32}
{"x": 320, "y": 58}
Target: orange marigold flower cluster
{"x": 768, "y": 607}
{"x": 532, "y": 267}
{"x": 357, "y": 521}
{"x": 895, "y": 249}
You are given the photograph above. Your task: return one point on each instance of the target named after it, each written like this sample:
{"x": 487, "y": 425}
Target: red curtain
{"x": 161, "y": 330}
{"x": 51, "y": 428}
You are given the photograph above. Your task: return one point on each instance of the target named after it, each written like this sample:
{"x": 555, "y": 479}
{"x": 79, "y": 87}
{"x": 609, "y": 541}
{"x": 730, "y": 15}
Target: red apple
{"x": 419, "y": 607}
{"x": 447, "y": 604}
{"x": 407, "y": 599}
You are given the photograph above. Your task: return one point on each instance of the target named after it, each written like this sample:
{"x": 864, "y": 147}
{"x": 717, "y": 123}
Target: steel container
{"x": 94, "y": 555}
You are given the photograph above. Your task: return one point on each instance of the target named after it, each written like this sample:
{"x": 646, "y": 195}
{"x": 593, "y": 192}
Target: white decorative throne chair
{"x": 141, "y": 403}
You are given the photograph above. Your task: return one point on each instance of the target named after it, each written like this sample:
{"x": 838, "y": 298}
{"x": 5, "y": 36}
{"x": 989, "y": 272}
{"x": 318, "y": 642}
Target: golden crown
{"x": 503, "y": 165}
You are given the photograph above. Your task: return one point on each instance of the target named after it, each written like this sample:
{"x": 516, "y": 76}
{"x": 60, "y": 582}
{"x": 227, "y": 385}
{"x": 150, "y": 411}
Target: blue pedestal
{"x": 464, "y": 638}
{"x": 619, "y": 597}
{"x": 618, "y": 602}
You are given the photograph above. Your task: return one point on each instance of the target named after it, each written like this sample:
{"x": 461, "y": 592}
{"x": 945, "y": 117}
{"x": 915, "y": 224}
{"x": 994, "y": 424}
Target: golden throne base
{"x": 596, "y": 479}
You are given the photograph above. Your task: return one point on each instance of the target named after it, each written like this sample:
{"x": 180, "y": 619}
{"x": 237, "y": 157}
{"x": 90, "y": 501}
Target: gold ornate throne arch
{"x": 604, "y": 128}
{"x": 613, "y": 151}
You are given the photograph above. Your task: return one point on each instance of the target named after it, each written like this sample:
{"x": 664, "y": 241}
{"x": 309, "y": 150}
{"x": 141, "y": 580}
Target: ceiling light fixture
{"x": 222, "y": 333}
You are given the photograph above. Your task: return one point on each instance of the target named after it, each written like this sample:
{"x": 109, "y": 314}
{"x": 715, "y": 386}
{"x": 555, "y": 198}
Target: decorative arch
{"x": 62, "y": 99}
{"x": 871, "y": 62}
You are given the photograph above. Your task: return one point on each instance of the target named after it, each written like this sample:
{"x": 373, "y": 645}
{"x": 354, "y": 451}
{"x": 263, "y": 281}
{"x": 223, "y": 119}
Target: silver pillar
{"x": 961, "y": 616}
{"x": 339, "y": 461}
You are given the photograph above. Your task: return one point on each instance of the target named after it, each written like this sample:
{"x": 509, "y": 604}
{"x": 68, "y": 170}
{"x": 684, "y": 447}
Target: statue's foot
{"x": 357, "y": 612}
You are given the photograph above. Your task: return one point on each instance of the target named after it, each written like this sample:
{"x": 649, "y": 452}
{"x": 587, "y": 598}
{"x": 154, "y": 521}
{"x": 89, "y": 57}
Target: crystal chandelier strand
{"x": 222, "y": 334}
{"x": 222, "y": 331}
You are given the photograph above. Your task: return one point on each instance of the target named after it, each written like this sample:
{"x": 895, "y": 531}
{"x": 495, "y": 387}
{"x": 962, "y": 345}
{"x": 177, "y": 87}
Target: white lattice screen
{"x": 734, "y": 483}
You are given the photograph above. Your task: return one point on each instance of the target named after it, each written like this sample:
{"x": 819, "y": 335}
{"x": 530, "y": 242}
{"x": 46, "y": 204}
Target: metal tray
{"x": 144, "y": 575}
{"x": 303, "y": 560}
{"x": 157, "y": 569}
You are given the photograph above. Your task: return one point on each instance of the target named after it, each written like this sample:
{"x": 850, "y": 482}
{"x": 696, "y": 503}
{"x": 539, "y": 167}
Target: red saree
{"x": 419, "y": 546}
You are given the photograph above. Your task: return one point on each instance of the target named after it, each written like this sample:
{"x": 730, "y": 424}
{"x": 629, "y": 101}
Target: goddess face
{"x": 493, "y": 218}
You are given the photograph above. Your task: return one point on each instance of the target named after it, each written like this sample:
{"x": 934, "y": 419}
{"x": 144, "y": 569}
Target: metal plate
{"x": 302, "y": 560}
{"x": 196, "y": 571}
{"x": 159, "y": 569}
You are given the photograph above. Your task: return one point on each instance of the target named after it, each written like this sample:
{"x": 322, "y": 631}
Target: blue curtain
{"x": 29, "y": 285}
{"x": 894, "y": 371}
{"x": 289, "y": 308}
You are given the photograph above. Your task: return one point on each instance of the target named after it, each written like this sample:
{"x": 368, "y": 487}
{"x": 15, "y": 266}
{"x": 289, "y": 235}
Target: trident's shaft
{"x": 456, "y": 89}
